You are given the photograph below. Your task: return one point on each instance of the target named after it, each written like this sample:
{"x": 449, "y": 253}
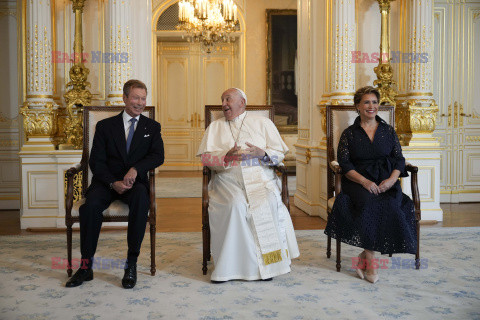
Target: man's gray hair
{"x": 242, "y": 94}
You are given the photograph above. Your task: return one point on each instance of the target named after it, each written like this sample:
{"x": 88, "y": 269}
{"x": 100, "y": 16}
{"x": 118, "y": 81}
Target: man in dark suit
{"x": 125, "y": 148}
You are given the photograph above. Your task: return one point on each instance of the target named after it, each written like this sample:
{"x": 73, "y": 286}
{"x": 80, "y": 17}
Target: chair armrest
{"x": 70, "y": 173}
{"x": 282, "y": 170}
{"x": 74, "y": 170}
{"x": 414, "y": 186}
{"x": 335, "y": 167}
{"x": 337, "y": 170}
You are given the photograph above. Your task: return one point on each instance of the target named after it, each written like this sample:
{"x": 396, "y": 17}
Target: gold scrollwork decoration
{"x": 77, "y": 186}
{"x": 77, "y": 96}
{"x": 384, "y": 70}
{"x": 39, "y": 121}
{"x": 323, "y": 119}
{"x": 412, "y": 118}
{"x": 78, "y": 5}
{"x": 422, "y": 119}
{"x": 385, "y": 83}
{"x": 308, "y": 155}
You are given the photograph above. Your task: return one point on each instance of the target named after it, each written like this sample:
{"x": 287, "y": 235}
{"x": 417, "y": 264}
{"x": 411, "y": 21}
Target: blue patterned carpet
{"x": 448, "y": 286}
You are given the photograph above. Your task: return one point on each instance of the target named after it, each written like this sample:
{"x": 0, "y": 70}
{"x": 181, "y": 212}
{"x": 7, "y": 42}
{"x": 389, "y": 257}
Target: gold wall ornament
{"x": 422, "y": 119}
{"x": 308, "y": 155}
{"x": 40, "y": 121}
{"x": 413, "y": 118}
{"x": 78, "y": 96}
{"x": 385, "y": 83}
{"x": 384, "y": 70}
{"x": 323, "y": 119}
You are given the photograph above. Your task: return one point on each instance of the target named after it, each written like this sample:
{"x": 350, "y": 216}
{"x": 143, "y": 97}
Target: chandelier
{"x": 208, "y": 21}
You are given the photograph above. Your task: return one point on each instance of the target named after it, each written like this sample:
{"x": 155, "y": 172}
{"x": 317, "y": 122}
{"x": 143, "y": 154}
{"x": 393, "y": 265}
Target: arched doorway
{"x": 186, "y": 79}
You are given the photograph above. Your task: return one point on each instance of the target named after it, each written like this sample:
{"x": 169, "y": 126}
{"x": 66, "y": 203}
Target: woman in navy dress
{"x": 371, "y": 212}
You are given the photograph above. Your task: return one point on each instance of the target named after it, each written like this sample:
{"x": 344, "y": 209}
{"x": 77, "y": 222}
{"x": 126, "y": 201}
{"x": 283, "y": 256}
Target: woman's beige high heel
{"x": 361, "y": 263}
{"x": 371, "y": 277}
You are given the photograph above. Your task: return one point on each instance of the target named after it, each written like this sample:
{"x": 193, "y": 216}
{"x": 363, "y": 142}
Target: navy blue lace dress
{"x": 383, "y": 222}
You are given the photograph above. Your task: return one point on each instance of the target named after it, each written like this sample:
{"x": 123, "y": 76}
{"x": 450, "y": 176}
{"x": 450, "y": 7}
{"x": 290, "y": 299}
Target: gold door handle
{"x": 462, "y": 114}
{"x": 449, "y": 115}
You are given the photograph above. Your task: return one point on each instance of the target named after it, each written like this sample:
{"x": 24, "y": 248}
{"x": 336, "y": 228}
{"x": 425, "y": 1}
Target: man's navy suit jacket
{"x": 109, "y": 161}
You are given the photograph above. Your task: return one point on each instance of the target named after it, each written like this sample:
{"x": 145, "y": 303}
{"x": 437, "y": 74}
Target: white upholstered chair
{"x": 118, "y": 210}
{"x": 339, "y": 117}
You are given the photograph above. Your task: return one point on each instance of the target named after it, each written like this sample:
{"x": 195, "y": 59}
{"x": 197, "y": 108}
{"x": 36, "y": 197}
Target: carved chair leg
{"x": 338, "y": 255}
{"x": 206, "y": 247}
{"x": 329, "y": 247}
{"x": 417, "y": 254}
{"x": 208, "y": 244}
{"x": 69, "y": 250}
{"x": 153, "y": 228}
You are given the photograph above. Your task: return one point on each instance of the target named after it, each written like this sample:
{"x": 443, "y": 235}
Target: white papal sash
{"x": 265, "y": 233}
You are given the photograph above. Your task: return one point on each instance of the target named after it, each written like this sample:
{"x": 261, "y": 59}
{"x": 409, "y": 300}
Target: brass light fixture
{"x": 208, "y": 21}
{"x": 384, "y": 70}
{"x": 77, "y": 96}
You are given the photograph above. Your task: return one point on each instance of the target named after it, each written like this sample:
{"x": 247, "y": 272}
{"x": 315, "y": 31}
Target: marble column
{"x": 326, "y": 73}
{"x": 342, "y": 70}
{"x": 342, "y": 78}
{"x": 39, "y": 109}
{"x": 119, "y": 25}
{"x": 417, "y": 112}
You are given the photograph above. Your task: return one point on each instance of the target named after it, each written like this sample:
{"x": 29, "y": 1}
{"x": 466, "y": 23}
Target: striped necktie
{"x": 130, "y": 133}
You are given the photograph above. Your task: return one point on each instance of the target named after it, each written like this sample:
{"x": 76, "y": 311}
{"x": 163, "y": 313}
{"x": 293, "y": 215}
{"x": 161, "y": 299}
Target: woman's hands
{"x": 387, "y": 184}
{"x": 384, "y": 186}
{"x": 371, "y": 186}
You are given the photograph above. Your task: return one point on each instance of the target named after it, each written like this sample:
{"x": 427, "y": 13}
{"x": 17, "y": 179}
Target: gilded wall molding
{"x": 8, "y": 123}
{"x": 8, "y": 12}
{"x": 304, "y": 134}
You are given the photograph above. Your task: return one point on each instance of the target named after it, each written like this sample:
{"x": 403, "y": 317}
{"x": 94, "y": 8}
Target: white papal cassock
{"x": 252, "y": 235}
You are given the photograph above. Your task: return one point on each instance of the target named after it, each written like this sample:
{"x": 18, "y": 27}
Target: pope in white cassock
{"x": 252, "y": 235}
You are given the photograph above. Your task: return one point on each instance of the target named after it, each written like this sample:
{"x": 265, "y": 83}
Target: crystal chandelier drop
{"x": 208, "y": 21}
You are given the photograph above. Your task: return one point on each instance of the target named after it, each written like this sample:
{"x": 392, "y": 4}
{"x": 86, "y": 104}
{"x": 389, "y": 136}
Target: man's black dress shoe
{"x": 130, "y": 277}
{"x": 80, "y": 276}
{"x": 216, "y": 282}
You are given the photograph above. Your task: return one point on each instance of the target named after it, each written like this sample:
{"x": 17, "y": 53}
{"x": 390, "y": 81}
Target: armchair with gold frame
{"x": 339, "y": 117}
{"x": 117, "y": 211}
{"x": 214, "y": 112}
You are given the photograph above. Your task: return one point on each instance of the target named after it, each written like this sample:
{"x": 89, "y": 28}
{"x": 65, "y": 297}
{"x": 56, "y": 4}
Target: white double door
{"x": 457, "y": 92}
{"x": 189, "y": 79}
